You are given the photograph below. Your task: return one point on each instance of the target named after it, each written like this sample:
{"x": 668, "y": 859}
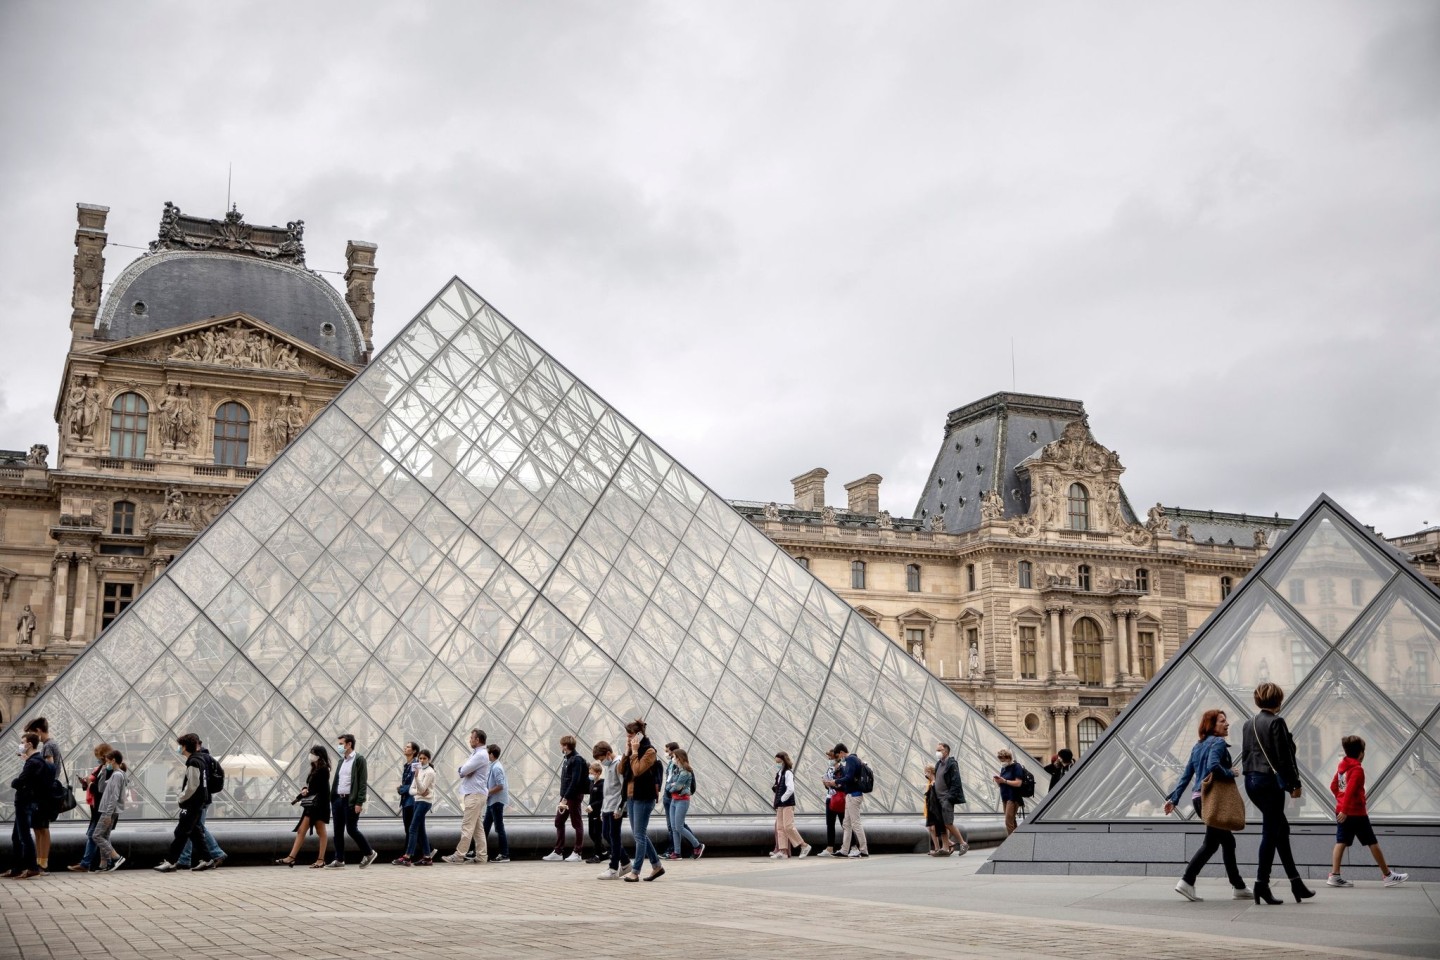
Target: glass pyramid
{"x": 1351, "y": 633}
{"x": 469, "y": 536}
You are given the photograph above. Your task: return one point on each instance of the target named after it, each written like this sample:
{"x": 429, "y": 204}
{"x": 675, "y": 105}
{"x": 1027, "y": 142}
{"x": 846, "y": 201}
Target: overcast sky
{"x": 780, "y": 236}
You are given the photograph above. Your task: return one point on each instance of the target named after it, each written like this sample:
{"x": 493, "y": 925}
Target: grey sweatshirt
{"x": 614, "y": 786}
{"x": 113, "y": 800}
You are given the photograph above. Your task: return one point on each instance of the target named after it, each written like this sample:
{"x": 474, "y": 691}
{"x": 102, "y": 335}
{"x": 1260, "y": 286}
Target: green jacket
{"x": 357, "y": 781}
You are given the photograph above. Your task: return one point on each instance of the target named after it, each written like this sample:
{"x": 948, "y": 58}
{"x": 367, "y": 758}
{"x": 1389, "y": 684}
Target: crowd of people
{"x": 616, "y": 787}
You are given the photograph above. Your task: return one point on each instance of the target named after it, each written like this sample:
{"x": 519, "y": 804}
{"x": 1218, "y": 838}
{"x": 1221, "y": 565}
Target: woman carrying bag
{"x": 314, "y": 802}
{"x": 1217, "y": 802}
{"x": 1267, "y": 752}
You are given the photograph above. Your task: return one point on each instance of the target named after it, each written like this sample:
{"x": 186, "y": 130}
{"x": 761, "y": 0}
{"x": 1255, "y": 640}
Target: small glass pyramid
{"x": 1351, "y": 633}
{"x": 469, "y": 536}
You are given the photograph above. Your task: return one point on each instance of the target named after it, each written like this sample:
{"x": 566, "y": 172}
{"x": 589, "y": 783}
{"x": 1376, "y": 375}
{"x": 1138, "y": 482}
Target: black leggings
{"x": 831, "y": 819}
{"x": 1269, "y": 799}
{"x": 1215, "y": 839}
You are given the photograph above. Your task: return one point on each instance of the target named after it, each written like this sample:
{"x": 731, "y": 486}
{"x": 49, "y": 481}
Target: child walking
{"x": 934, "y": 823}
{"x": 112, "y": 801}
{"x": 1352, "y": 821}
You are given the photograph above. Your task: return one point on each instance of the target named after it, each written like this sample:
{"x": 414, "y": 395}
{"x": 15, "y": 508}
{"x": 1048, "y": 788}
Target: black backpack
{"x": 1027, "y": 784}
{"x": 215, "y": 775}
{"x": 865, "y": 782}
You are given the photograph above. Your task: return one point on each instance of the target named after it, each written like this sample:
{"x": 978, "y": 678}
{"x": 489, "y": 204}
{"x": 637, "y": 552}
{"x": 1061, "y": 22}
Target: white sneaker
{"x": 453, "y": 858}
{"x": 854, "y": 855}
{"x": 609, "y": 875}
{"x": 202, "y": 865}
{"x": 368, "y": 859}
{"x": 1335, "y": 880}
{"x": 827, "y": 852}
{"x": 1395, "y": 879}
{"x": 774, "y": 855}
{"x": 626, "y": 867}
{"x": 574, "y": 858}
{"x": 166, "y": 867}
{"x": 551, "y": 857}
{"x": 1187, "y": 890}
{"x": 963, "y": 849}
{"x": 804, "y": 849}
{"x": 1241, "y": 893}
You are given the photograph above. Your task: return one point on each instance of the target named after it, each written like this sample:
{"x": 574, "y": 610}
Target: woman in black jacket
{"x": 1268, "y": 756}
{"x": 314, "y": 803}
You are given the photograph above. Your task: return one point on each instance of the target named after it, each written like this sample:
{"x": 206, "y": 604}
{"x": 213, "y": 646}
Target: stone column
{"x": 1072, "y": 732}
{"x": 90, "y": 239}
{"x": 360, "y": 273}
{"x": 61, "y": 580}
{"x": 1053, "y": 641}
{"x": 1069, "y": 648}
{"x": 1122, "y": 642}
{"x": 1057, "y": 733}
{"x": 157, "y": 567}
{"x": 80, "y": 631}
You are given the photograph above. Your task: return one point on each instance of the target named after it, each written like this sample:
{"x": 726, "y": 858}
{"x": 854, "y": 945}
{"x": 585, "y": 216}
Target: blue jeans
{"x": 495, "y": 813}
{"x": 22, "y": 842}
{"x": 639, "y": 812}
{"x": 87, "y": 859}
{"x": 212, "y": 849}
{"x": 675, "y": 813}
{"x": 418, "y": 844}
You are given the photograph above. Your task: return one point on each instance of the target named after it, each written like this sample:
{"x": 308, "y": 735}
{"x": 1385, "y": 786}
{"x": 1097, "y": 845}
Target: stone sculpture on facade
{"x": 937, "y": 523}
{"x": 83, "y": 409}
{"x": 1155, "y": 520}
{"x": 37, "y": 455}
{"x": 235, "y": 346}
{"x": 992, "y": 506}
{"x": 884, "y": 521}
{"x": 286, "y": 424}
{"x": 177, "y": 418}
{"x": 974, "y": 660}
{"x": 174, "y": 506}
{"x": 772, "y": 511}
{"x": 25, "y": 627}
{"x": 1262, "y": 539}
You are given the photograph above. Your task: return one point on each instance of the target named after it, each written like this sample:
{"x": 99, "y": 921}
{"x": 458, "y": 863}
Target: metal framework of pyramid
{"x": 469, "y": 536}
{"x": 1351, "y": 633}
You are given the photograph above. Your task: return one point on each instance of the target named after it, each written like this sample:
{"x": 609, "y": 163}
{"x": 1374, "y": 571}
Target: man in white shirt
{"x": 347, "y": 799}
{"x": 474, "y": 790}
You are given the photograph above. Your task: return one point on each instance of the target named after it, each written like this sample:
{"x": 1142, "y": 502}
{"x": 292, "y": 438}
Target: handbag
{"x": 836, "y": 803}
{"x": 307, "y": 803}
{"x": 64, "y": 793}
{"x": 1220, "y": 804}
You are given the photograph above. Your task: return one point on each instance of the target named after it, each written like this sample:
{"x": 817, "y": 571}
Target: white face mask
{"x": 939, "y": 755}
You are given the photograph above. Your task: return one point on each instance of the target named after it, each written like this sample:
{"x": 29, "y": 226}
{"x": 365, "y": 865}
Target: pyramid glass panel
{"x": 469, "y": 537}
{"x": 1346, "y": 628}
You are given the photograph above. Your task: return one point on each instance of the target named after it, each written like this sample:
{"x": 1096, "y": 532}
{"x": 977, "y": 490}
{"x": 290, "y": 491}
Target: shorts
{"x": 40, "y": 816}
{"x": 947, "y": 813}
{"x": 1354, "y": 828}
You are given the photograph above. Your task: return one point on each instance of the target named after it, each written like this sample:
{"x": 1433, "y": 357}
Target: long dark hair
{"x": 119, "y": 759}
{"x": 321, "y": 755}
{"x": 683, "y": 759}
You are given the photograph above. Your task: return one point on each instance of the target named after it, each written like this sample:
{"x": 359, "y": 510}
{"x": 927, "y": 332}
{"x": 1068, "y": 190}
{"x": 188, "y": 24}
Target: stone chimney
{"x": 360, "y": 273}
{"x": 90, "y": 237}
{"x": 810, "y": 489}
{"x": 865, "y": 494}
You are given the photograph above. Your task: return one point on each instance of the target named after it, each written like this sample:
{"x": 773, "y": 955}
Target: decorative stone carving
{"x": 25, "y": 627}
{"x": 36, "y": 456}
{"x": 1024, "y": 527}
{"x": 1262, "y": 540}
{"x": 937, "y": 523}
{"x": 974, "y": 660}
{"x": 827, "y": 516}
{"x": 286, "y": 423}
{"x": 1182, "y": 532}
{"x": 181, "y": 232}
{"x": 992, "y": 506}
{"x": 1155, "y": 520}
{"x": 884, "y": 520}
{"x": 772, "y": 511}
{"x": 174, "y": 506}
{"x": 182, "y": 510}
{"x": 82, "y": 408}
{"x": 89, "y": 271}
{"x": 1076, "y": 450}
{"x": 235, "y": 346}
{"x": 177, "y": 418}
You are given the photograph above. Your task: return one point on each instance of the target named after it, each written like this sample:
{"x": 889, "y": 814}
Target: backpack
{"x": 215, "y": 774}
{"x": 1027, "y": 784}
{"x": 865, "y": 782}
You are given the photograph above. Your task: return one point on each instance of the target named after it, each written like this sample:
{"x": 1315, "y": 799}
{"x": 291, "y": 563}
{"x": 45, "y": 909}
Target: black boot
{"x": 1302, "y": 892}
{"x": 1262, "y": 894}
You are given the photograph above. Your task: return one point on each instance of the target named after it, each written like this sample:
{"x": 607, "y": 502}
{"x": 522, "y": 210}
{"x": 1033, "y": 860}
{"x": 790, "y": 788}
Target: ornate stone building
{"x": 1024, "y": 579}
{"x": 206, "y": 357}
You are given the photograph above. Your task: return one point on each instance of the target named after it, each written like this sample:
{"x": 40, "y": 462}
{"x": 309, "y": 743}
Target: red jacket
{"x": 1348, "y": 785}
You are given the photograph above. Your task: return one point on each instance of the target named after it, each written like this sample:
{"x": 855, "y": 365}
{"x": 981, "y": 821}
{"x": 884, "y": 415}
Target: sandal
{"x": 318, "y": 865}
{"x": 285, "y": 862}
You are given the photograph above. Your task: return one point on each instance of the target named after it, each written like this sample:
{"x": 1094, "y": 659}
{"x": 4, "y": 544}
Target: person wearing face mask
{"x": 314, "y": 802}
{"x": 94, "y": 784}
{"x": 949, "y": 790}
{"x": 29, "y": 789}
{"x": 347, "y": 797}
{"x": 786, "y": 836}
{"x": 834, "y": 809}
{"x": 422, "y": 788}
{"x": 112, "y": 801}
{"x": 194, "y": 795}
{"x": 574, "y": 784}
{"x": 214, "y": 856}
{"x": 678, "y": 790}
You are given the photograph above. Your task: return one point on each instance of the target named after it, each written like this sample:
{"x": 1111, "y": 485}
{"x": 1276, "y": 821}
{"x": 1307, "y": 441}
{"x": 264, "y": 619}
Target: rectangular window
{"x": 115, "y": 597}
{"x": 1297, "y": 591}
{"x": 1145, "y": 653}
{"x": 1028, "y": 644}
{"x": 1027, "y": 575}
{"x": 970, "y": 577}
{"x": 915, "y": 643}
{"x": 857, "y": 575}
{"x": 803, "y": 561}
{"x": 912, "y": 577}
{"x": 1357, "y": 594}
{"x": 1142, "y": 580}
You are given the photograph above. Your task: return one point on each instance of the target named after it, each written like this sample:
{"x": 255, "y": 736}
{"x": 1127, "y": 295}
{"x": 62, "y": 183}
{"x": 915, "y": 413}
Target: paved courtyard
{"x": 887, "y": 906}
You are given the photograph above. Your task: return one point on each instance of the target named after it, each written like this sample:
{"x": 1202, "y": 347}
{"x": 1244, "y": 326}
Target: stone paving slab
{"x": 714, "y": 908}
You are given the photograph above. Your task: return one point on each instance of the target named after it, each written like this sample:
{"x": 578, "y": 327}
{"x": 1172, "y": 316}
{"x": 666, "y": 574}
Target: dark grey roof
{"x": 1214, "y": 526}
{"x": 172, "y": 288}
{"x": 984, "y": 442}
{"x": 843, "y": 518}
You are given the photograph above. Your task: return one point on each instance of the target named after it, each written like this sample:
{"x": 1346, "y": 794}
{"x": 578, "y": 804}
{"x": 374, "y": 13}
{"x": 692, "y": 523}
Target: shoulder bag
{"x": 1221, "y": 806}
{"x": 63, "y": 790}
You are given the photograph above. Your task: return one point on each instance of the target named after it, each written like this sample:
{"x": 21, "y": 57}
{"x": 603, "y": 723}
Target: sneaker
{"x": 553, "y": 856}
{"x": 804, "y": 850}
{"x": 963, "y": 849}
{"x": 424, "y": 862}
{"x": 590, "y": 860}
{"x": 853, "y": 854}
{"x": 202, "y": 865}
{"x": 671, "y": 856}
{"x": 1243, "y": 893}
{"x": 27, "y": 874}
{"x": 335, "y": 865}
{"x": 1335, "y": 880}
{"x": 452, "y": 858}
{"x": 775, "y": 854}
{"x": 368, "y": 859}
{"x": 627, "y": 868}
{"x": 699, "y": 852}
{"x": 433, "y": 855}
{"x": 1187, "y": 890}
{"x": 166, "y": 867}
{"x": 608, "y": 875}
{"x": 501, "y": 859}
{"x": 470, "y": 857}
{"x": 1394, "y": 879}
{"x": 215, "y": 864}
{"x": 402, "y": 862}
{"x": 827, "y": 852}
{"x": 115, "y": 864}
{"x": 574, "y": 858}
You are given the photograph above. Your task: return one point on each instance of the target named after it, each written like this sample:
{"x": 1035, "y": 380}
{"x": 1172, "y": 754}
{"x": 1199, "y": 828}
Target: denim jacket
{"x": 1211, "y": 755}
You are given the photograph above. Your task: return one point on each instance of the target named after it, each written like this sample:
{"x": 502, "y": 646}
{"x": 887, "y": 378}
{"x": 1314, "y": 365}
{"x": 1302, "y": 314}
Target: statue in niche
{"x": 974, "y": 660}
{"x": 25, "y": 627}
{"x": 1113, "y": 513}
{"x": 36, "y": 456}
{"x": 83, "y": 402}
{"x": 177, "y": 419}
{"x": 286, "y": 424}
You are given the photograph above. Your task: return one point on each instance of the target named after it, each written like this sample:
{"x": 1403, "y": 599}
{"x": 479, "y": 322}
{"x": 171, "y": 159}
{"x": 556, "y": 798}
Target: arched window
{"x": 1087, "y": 653}
{"x": 912, "y": 577}
{"x": 1027, "y": 575}
{"x": 1082, "y": 576}
{"x": 857, "y": 574}
{"x": 1226, "y": 585}
{"x": 232, "y": 435}
{"x": 129, "y": 424}
{"x": 1088, "y": 731}
{"x": 1142, "y": 579}
{"x": 122, "y": 518}
{"x": 1079, "y": 507}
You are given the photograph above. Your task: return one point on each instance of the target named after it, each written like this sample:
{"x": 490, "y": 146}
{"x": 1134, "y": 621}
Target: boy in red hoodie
{"x": 1351, "y": 819}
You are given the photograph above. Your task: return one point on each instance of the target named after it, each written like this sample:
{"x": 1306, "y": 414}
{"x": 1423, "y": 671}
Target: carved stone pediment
{"x": 1077, "y": 458}
{"x": 238, "y": 342}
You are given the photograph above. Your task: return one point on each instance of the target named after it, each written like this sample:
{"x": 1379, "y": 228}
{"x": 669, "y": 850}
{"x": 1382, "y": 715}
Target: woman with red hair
{"x": 1210, "y": 757}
